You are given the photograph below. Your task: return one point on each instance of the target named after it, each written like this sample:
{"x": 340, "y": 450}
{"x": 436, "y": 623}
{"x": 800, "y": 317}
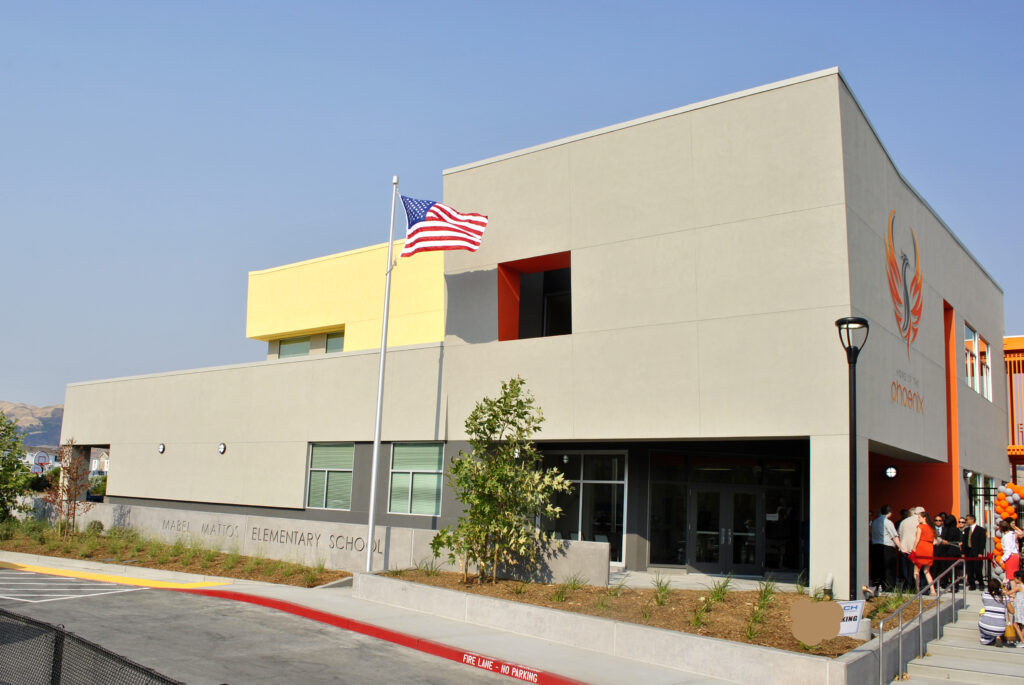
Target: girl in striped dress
{"x": 992, "y": 624}
{"x": 1017, "y": 592}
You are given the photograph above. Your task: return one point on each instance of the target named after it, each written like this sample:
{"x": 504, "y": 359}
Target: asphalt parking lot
{"x": 33, "y": 588}
{"x": 208, "y": 640}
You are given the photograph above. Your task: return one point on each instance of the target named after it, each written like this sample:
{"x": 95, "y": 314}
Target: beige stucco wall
{"x": 266, "y": 413}
{"x": 708, "y": 265}
{"x": 874, "y": 187}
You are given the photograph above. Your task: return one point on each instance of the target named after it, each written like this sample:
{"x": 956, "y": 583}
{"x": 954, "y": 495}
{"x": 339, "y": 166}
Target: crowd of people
{"x": 915, "y": 551}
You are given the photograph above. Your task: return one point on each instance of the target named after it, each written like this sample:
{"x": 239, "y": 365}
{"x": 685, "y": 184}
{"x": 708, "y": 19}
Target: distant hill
{"x": 39, "y": 425}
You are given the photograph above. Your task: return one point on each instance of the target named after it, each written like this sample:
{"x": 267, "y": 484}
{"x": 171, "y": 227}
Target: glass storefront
{"x": 727, "y": 514}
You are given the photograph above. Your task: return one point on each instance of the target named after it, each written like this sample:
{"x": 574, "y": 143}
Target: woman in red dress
{"x": 924, "y": 551}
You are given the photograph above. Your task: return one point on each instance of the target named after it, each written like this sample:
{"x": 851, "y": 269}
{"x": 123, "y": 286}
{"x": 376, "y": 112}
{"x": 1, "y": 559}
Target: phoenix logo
{"x": 905, "y": 290}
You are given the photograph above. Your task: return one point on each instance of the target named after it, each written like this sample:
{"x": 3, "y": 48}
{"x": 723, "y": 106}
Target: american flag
{"x": 434, "y": 226}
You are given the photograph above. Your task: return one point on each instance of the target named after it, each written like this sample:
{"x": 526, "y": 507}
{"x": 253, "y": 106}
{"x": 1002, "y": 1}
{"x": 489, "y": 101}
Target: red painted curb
{"x": 481, "y": 661}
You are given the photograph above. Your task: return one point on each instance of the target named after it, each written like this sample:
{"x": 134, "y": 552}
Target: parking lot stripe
{"x": 54, "y": 598}
{"x": 119, "y": 580}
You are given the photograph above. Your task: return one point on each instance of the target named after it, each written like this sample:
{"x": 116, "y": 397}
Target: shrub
{"x": 94, "y": 528}
{"x": 97, "y": 485}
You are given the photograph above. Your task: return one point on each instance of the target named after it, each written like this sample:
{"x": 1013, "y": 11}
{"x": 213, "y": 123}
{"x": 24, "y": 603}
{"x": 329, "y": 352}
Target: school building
{"x": 668, "y": 287}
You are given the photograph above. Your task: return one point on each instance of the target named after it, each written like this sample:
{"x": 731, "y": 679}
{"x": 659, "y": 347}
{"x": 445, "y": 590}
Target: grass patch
{"x": 661, "y": 589}
{"x": 429, "y": 566}
{"x": 720, "y": 589}
{"x": 310, "y": 577}
{"x": 118, "y": 544}
{"x": 575, "y": 582}
{"x": 765, "y": 595}
{"x": 232, "y": 559}
{"x": 188, "y": 555}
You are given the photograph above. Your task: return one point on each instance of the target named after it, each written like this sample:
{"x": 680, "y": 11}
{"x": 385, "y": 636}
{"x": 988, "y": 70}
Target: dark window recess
{"x": 545, "y": 303}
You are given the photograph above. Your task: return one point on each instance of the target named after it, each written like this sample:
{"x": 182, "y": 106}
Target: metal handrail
{"x": 919, "y": 597}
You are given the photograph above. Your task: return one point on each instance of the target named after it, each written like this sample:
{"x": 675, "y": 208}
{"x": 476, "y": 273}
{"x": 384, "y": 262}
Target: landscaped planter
{"x": 708, "y": 656}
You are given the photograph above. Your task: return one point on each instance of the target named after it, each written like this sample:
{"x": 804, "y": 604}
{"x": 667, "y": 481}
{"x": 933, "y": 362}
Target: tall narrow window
{"x": 335, "y": 342}
{"x": 978, "y": 362}
{"x": 416, "y": 479}
{"x": 330, "y": 476}
{"x": 984, "y": 369}
{"x": 971, "y": 356}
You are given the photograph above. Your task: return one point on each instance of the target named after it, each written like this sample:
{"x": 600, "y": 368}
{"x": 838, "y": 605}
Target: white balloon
{"x": 1015, "y": 498}
{"x": 1002, "y": 489}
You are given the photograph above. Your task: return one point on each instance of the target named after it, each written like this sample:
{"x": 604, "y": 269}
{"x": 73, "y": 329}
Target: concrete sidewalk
{"x": 518, "y": 656}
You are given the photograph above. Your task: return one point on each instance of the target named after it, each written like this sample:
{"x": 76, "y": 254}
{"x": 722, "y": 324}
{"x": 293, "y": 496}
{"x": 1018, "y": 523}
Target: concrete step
{"x": 964, "y": 649}
{"x": 970, "y": 670}
{"x": 961, "y": 630}
{"x": 921, "y": 680}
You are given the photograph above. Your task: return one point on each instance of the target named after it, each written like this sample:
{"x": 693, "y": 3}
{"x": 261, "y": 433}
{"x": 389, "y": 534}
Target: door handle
{"x": 721, "y": 536}
{"x": 729, "y": 534}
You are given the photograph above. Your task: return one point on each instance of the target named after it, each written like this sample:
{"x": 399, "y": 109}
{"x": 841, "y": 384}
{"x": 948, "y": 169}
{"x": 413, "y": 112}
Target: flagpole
{"x": 380, "y": 380}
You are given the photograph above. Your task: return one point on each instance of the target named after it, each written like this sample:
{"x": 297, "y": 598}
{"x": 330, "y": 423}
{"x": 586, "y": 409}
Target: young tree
{"x": 14, "y": 474}
{"x": 66, "y": 494}
{"x": 503, "y": 492}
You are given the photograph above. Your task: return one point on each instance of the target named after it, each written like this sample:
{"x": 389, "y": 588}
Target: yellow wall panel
{"x": 346, "y": 290}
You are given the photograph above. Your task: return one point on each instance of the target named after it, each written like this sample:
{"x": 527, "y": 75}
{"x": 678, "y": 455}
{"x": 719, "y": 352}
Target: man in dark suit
{"x": 973, "y": 544}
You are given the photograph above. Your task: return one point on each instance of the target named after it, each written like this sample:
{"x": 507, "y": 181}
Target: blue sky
{"x": 151, "y": 154}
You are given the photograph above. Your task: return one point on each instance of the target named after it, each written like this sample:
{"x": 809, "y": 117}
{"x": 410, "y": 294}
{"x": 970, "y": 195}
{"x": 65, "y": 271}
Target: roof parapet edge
{"x": 831, "y": 71}
{"x": 911, "y": 187}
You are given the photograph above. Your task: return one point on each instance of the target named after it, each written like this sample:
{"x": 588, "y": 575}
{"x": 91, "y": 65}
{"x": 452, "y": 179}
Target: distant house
{"x": 99, "y": 462}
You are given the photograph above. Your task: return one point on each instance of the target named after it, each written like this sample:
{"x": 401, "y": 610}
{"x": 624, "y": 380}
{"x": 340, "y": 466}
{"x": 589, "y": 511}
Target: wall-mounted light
{"x": 222, "y": 448}
{"x": 160, "y": 448}
{"x": 890, "y": 472}
{"x": 565, "y": 458}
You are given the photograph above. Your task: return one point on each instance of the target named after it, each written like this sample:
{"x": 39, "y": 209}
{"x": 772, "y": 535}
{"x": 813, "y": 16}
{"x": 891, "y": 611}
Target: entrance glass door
{"x": 729, "y": 533}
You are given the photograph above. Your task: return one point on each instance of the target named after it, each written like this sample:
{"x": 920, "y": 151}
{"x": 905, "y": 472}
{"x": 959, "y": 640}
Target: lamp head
{"x": 853, "y": 334}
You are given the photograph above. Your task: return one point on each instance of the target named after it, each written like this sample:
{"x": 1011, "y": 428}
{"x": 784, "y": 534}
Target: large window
{"x": 330, "y": 476}
{"x": 293, "y": 347}
{"x": 977, "y": 362}
{"x": 595, "y": 509}
{"x": 416, "y": 479}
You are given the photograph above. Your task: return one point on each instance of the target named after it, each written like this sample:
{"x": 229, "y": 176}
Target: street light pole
{"x": 850, "y": 329}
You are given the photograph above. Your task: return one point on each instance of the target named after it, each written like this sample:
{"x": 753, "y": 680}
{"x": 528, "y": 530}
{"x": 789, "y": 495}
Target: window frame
{"x": 327, "y": 471}
{"x": 411, "y": 474}
{"x": 335, "y": 335}
{"x": 299, "y": 338}
{"x": 977, "y": 362}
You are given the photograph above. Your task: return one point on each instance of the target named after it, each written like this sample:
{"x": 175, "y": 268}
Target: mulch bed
{"x": 222, "y": 564}
{"x": 727, "y": 620}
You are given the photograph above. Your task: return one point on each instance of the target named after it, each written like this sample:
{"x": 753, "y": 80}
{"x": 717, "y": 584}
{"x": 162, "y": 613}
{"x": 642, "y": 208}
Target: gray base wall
{"x": 340, "y": 546}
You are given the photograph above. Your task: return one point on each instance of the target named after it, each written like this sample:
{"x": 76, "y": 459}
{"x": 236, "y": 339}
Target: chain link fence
{"x": 36, "y": 653}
